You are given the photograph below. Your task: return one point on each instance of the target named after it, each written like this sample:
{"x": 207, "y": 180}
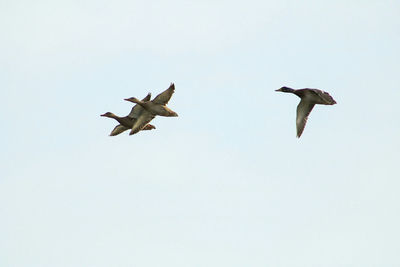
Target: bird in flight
{"x": 309, "y": 98}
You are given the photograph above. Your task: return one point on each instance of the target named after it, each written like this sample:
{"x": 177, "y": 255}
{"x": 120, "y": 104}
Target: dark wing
{"x": 144, "y": 118}
{"x": 165, "y": 96}
{"x": 326, "y": 98}
{"x": 303, "y": 110}
{"x": 137, "y": 109}
{"x": 118, "y": 129}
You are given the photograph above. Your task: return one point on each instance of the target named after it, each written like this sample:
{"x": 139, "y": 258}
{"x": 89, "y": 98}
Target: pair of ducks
{"x": 145, "y": 110}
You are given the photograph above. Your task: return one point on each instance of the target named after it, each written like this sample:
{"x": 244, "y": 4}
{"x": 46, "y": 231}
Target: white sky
{"x": 224, "y": 184}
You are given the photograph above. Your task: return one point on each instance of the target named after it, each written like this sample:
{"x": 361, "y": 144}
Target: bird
{"x": 155, "y": 107}
{"x": 127, "y": 122}
{"x": 309, "y": 98}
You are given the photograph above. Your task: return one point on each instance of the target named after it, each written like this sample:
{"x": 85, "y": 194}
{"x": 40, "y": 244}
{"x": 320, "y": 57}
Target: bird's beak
{"x": 127, "y": 99}
{"x": 277, "y": 90}
{"x": 103, "y": 115}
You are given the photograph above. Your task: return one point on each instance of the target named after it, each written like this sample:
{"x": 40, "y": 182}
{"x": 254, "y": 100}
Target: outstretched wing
{"x": 326, "y": 98}
{"x": 303, "y": 110}
{"x": 118, "y": 129}
{"x": 165, "y": 96}
{"x": 144, "y": 118}
{"x": 137, "y": 109}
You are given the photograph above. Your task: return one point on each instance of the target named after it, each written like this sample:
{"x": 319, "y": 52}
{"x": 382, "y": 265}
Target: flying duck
{"x": 309, "y": 97}
{"x": 127, "y": 122}
{"x": 155, "y": 107}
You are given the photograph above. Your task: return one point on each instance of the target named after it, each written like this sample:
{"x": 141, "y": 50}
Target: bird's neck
{"x": 115, "y": 117}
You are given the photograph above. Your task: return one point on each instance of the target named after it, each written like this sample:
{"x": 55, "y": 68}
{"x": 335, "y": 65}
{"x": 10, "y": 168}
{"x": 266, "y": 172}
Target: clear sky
{"x": 226, "y": 183}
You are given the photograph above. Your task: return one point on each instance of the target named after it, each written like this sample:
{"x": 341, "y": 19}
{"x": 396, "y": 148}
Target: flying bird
{"x": 309, "y": 98}
{"x": 127, "y": 122}
{"x": 155, "y": 107}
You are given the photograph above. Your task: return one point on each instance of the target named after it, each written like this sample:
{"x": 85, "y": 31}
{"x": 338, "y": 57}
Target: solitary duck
{"x": 127, "y": 122}
{"x": 157, "y": 106}
{"x": 309, "y": 97}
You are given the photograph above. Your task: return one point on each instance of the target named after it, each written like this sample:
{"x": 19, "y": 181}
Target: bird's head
{"x": 108, "y": 114}
{"x": 285, "y": 89}
{"x": 132, "y": 99}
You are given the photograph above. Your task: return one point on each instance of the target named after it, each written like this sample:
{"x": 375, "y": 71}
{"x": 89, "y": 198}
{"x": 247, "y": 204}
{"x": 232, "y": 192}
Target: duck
{"x": 152, "y": 108}
{"x": 127, "y": 122}
{"x": 309, "y": 98}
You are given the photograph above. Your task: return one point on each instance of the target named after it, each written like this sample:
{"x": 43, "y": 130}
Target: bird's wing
{"x": 144, "y": 118}
{"x": 137, "y": 109}
{"x": 165, "y": 96}
{"x": 303, "y": 110}
{"x": 325, "y": 96}
{"x": 118, "y": 129}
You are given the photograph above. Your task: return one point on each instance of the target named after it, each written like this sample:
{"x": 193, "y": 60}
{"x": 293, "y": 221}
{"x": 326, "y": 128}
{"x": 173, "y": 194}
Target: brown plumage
{"x": 155, "y": 107}
{"x": 309, "y": 98}
{"x": 127, "y": 122}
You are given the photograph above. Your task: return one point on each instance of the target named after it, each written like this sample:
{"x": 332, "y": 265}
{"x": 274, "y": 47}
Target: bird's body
{"x": 155, "y": 107}
{"x": 127, "y": 122}
{"x": 309, "y": 98}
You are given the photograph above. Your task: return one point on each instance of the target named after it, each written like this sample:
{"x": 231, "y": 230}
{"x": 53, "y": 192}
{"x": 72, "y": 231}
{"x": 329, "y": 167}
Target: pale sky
{"x": 226, "y": 183}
